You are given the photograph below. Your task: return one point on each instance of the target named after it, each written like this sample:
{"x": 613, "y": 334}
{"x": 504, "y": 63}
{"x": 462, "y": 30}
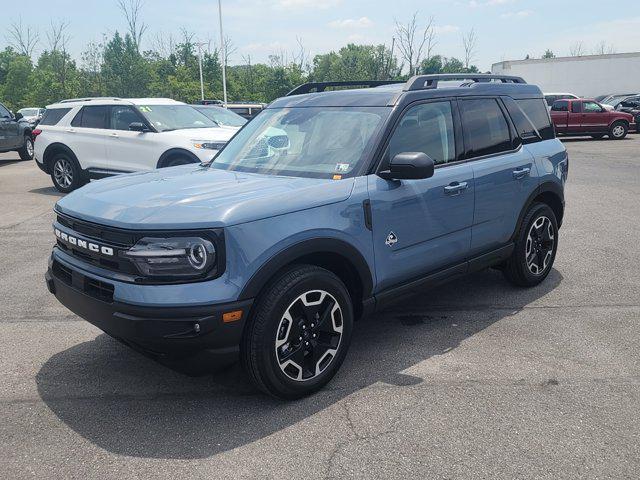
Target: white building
{"x": 586, "y": 76}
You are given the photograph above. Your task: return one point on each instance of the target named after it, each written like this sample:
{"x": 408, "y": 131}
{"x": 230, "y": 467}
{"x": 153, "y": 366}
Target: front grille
{"x": 97, "y": 289}
{"x": 114, "y": 238}
{"x": 120, "y": 240}
{"x": 62, "y": 273}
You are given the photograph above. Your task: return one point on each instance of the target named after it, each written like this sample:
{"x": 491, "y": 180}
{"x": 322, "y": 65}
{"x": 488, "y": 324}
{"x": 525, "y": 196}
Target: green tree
{"x": 15, "y": 91}
{"x": 549, "y": 54}
{"x": 124, "y": 70}
{"x": 440, "y": 64}
{"x": 355, "y": 62}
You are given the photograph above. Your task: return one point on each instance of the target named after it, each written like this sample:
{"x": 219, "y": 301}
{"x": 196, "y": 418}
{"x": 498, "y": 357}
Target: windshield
{"x": 320, "y": 142}
{"x": 175, "y": 117}
{"x": 222, "y": 116}
{"x": 29, "y": 112}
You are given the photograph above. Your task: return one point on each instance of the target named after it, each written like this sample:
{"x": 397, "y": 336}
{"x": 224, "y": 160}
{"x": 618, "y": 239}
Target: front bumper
{"x": 176, "y": 330}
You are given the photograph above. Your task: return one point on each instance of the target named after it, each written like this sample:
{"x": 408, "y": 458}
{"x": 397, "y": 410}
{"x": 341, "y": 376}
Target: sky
{"x": 505, "y": 29}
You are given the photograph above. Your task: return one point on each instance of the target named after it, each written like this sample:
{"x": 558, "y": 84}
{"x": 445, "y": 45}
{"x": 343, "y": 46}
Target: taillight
{"x": 35, "y": 133}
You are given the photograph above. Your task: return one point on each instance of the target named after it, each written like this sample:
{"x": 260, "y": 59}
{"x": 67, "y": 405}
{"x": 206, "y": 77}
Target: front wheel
{"x": 26, "y": 151}
{"x": 299, "y": 332}
{"x": 535, "y": 248}
{"x": 618, "y": 131}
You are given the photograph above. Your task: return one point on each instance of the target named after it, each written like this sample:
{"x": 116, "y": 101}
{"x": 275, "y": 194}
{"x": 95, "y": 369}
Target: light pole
{"x": 200, "y": 65}
{"x": 223, "y": 49}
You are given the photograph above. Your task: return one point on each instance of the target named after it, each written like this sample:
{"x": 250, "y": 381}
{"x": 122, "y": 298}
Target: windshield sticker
{"x": 145, "y": 109}
{"x": 342, "y": 167}
{"x": 337, "y": 177}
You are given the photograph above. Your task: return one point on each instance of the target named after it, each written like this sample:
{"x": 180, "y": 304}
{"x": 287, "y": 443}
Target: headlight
{"x": 174, "y": 257}
{"x": 208, "y": 145}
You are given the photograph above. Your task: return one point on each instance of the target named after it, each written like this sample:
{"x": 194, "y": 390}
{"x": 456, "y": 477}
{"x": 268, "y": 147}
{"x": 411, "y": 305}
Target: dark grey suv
{"x": 15, "y": 134}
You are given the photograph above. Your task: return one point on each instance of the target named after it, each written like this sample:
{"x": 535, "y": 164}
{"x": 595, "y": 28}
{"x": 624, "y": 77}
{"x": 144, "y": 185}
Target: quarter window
{"x": 53, "y": 115}
{"x": 537, "y": 113}
{"x": 486, "y": 130}
{"x": 426, "y": 128}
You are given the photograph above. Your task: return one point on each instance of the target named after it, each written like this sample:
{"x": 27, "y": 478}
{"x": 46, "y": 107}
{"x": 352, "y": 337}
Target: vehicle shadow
{"x": 47, "y": 191}
{"x": 130, "y": 405}
{"x": 4, "y": 163}
{"x": 589, "y": 139}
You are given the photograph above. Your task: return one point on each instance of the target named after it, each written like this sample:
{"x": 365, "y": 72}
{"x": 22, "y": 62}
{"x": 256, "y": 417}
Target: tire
{"x": 26, "y": 151}
{"x": 618, "y": 130}
{"x": 538, "y": 232}
{"x": 66, "y": 174}
{"x": 177, "y": 160}
{"x": 598, "y": 137}
{"x": 286, "y": 353}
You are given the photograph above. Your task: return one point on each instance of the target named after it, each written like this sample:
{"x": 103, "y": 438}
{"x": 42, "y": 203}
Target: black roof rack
{"x": 321, "y": 86}
{"x": 422, "y": 82}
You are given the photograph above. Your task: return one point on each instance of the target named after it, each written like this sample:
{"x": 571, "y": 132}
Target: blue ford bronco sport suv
{"x": 326, "y": 206}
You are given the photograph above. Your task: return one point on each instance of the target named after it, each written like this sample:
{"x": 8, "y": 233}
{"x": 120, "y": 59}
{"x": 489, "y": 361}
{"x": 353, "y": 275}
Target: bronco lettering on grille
{"x": 83, "y": 244}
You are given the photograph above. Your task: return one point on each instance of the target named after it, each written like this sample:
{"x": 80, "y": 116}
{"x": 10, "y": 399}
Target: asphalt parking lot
{"x": 476, "y": 379}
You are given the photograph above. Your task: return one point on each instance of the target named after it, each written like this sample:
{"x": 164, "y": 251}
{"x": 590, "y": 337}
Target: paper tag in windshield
{"x": 342, "y": 167}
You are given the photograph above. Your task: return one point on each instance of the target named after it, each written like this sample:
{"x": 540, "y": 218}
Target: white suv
{"x": 81, "y": 139}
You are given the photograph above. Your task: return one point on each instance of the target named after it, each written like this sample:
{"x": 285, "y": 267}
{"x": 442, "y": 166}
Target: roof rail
{"x": 87, "y": 99}
{"x": 423, "y": 82}
{"x": 321, "y": 86}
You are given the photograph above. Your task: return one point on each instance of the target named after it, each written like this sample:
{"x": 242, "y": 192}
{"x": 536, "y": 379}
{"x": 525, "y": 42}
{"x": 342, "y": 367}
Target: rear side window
{"x": 486, "y": 130}
{"x": 537, "y": 113}
{"x": 560, "y": 106}
{"x": 4, "y": 112}
{"x": 53, "y": 115}
{"x": 426, "y": 128}
{"x": 92, "y": 117}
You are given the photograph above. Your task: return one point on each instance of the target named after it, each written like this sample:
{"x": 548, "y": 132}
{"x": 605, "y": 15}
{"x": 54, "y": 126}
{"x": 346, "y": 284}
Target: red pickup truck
{"x": 587, "y": 117}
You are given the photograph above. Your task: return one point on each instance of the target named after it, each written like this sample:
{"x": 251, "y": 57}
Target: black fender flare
{"x": 176, "y": 151}
{"x": 46, "y": 156}
{"x": 552, "y": 188}
{"x": 306, "y": 248}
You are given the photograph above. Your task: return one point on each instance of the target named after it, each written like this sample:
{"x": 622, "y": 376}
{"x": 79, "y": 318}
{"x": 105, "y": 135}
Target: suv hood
{"x": 193, "y": 196}
{"x": 215, "y": 133}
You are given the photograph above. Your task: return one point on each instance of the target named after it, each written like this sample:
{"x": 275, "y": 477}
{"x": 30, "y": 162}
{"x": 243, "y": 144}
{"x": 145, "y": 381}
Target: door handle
{"x": 521, "y": 173}
{"x": 455, "y": 188}
{"x": 114, "y": 134}
{"x": 71, "y": 130}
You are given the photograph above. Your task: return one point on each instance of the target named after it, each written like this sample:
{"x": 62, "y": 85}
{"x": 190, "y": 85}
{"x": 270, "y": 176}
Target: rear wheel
{"x": 299, "y": 332}
{"x": 66, "y": 174}
{"x": 535, "y": 248}
{"x": 26, "y": 151}
{"x": 618, "y": 131}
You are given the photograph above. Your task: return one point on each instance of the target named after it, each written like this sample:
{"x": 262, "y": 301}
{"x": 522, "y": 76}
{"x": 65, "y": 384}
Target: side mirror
{"x": 138, "y": 127}
{"x": 18, "y": 116}
{"x": 409, "y": 166}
